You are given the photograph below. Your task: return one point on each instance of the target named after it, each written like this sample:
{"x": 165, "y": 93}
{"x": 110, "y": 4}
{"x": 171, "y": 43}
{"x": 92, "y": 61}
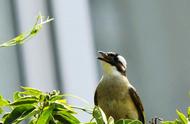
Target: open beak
{"x": 103, "y": 56}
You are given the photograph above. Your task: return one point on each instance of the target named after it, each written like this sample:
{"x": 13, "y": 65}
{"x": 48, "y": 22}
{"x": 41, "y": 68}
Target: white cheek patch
{"x": 122, "y": 60}
{"x": 123, "y": 68}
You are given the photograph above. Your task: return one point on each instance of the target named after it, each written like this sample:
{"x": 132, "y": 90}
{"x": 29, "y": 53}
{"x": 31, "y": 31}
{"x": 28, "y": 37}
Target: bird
{"x": 115, "y": 95}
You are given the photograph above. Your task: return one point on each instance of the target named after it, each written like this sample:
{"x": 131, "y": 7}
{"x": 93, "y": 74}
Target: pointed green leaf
{"x": 31, "y": 91}
{"x": 16, "y": 95}
{"x": 182, "y": 117}
{"x": 18, "y": 112}
{"x": 17, "y": 40}
{"x": 56, "y": 97}
{"x": 99, "y": 115}
{"x": 24, "y": 101}
{"x": 60, "y": 106}
{"x": 65, "y": 117}
{"x": 5, "y": 116}
{"x": 27, "y": 98}
{"x": 3, "y": 102}
{"x": 28, "y": 115}
{"x": 45, "y": 115}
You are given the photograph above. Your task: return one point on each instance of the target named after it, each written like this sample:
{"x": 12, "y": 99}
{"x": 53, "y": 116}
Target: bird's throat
{"x": 109, "y": 70}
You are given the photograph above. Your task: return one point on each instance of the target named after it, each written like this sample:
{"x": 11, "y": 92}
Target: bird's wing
{"x": 138, "y": 104}
{"x": 95, "y": 98}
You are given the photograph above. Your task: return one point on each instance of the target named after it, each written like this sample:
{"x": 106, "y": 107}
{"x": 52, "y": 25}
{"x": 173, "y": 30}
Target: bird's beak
{"x": 103, "y": 56}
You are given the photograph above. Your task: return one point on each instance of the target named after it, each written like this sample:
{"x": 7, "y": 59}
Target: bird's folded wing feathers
{"x": 95, "y": 98}
{"x": 136, "y": 99}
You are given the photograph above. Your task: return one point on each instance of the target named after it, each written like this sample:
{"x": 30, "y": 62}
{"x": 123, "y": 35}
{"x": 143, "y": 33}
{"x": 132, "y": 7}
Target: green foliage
{"x": 23, "y": 37}
{"x": 99, "y": 115}
{"x": 188, "y": 113}
{"x": 39, "y": 107}
{"x": 3, "y": 103}
{"x": 182, "y": 119}
{"x": 100, "y": 118}
{"x": 18, "y": 113}
{"x": 43, "y": 108}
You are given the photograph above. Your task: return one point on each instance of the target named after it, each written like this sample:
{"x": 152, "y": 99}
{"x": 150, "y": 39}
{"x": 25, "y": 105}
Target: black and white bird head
{"x": 112, "y": 63}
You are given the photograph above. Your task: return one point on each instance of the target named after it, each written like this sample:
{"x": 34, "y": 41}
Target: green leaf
{"x": 35, "y": 30}
{"x": 21, "y": 38}
{"x": 17, "y": 40}
{"x": 16, "y": 95}
{"x": 135, "y": 122}
{"x": 99, "y": 115}
{"x": 3, "y": 102}
{"x": 90, "y": 123}
{"x": 1, "y": 110}
{"x": 65, "y": 117}
{"x": 26, "y": 116}
{"x": 5, "y": 116}
{"x": 172, "y": 122}
{"x": 45, "y": 115}
{"x": 18, "y": 112}
{"x": 57, "y": 97}
{"x": 31, "y": 91}
{"x": 182, "y": 117}
{"x": 61, "y": 106}
{"x": 24, "y": 101}
{"x": 128, "y": 121}
{"x": 27, "y": 98}
{"x": 168, "y": 122}
{"x": 177, "y": 121}
{"x": 188, "y": 113}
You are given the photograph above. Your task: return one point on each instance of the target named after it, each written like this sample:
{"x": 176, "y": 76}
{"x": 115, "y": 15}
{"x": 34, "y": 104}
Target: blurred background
{"x": 154, "y": 37}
